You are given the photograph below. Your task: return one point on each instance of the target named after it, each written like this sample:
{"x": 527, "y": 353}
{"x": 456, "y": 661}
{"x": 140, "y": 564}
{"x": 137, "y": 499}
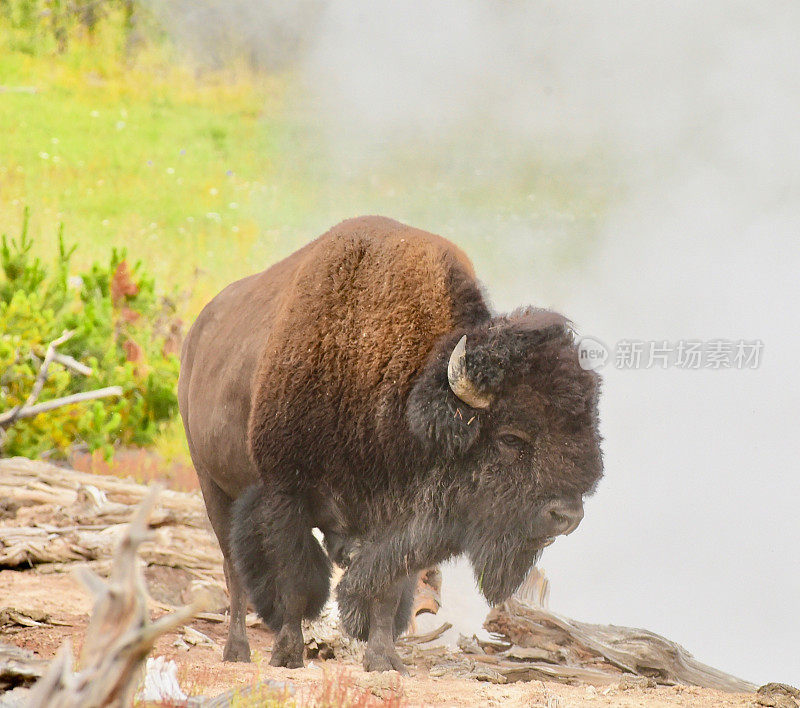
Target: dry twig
{"x": 119, "y": 637}
{"x": 29, "y": 410}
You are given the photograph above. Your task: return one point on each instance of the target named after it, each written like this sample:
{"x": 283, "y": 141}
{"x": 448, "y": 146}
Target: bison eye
{"x": 512, "y": 440}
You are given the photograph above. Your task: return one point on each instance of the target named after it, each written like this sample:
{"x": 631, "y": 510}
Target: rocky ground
{"x": 61, "y": 606}
{"x": 47, "y": 529}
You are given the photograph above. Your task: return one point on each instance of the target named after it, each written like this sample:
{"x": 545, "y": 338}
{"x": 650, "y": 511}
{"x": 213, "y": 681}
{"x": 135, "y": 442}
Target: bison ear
{"x": 443, "y": 423}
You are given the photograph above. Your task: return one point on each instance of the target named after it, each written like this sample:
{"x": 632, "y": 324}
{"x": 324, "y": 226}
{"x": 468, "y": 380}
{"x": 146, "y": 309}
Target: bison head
{"x": 509, "y": 419}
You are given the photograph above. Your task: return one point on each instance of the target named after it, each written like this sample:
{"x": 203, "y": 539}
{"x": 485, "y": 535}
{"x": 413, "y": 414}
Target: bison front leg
{"x": 376, "y": 593}
{"x": 385, "y": 614}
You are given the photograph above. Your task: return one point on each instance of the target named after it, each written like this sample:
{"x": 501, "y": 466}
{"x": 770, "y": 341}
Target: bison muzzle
{"x": 363, "y": 387}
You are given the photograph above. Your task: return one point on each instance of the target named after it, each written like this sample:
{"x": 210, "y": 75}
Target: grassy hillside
{"x": 143, "y": 153}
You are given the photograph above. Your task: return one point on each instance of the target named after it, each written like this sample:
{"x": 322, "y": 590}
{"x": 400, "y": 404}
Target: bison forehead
{"x": 566, "y": 393}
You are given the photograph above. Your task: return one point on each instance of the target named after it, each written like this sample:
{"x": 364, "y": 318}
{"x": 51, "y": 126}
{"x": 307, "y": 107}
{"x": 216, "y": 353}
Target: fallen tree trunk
{"x": 58, "y": 517}
{"x": 567, "y": 645}
{"x": 108, "y": 500}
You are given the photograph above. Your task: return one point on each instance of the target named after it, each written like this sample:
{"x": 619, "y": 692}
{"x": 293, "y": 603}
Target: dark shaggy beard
{"x": 500, "y": 562}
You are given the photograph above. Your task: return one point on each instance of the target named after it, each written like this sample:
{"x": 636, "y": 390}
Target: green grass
{"x": 148, "y": 156}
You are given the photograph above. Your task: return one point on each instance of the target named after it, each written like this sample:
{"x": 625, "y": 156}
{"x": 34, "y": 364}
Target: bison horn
{"x": 459, "y": 381}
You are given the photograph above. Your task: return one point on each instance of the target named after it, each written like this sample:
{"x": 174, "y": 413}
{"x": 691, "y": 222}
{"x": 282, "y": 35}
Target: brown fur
{"x": 354, "y": 329}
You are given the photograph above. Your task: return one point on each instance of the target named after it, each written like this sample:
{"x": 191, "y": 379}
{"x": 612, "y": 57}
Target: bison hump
{"x": 355, "y": 326}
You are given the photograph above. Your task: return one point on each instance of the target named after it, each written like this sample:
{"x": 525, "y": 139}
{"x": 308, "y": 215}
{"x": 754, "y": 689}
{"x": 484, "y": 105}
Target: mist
{"x": 636, "y": 167}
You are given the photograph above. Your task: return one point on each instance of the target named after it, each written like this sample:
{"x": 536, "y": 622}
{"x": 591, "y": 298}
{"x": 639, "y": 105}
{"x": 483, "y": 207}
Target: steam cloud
{"x": 679, "y": 124}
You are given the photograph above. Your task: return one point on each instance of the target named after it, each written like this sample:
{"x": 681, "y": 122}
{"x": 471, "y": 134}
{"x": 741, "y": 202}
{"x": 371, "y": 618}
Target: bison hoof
{"x": 383, "y": 659}
{"x": 287, "y": 650}
{"x": 236, "y": 650}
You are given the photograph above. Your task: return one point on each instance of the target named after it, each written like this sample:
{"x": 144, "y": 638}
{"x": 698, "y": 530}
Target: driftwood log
{"x": 56, "y": 517}
{"x": 119, "y": 636}
{"x": 563, "y": 649}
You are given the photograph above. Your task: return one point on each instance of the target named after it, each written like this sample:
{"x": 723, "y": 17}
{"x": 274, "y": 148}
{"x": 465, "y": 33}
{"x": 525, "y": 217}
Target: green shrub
{"x": 123, "y": 330}
{"x": 46, "y": 25}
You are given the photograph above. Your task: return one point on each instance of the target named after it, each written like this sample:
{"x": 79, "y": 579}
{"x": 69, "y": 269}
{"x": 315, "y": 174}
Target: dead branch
{"x": 610, "y": 649}
{"x": 41, "y": 377}
{"x": 119, "y": 637}
{"x": 30, "y": 408}
{"x": 409, "y": 639}
{"x": 7, "y": 419}
{"x": 69, "y": 362}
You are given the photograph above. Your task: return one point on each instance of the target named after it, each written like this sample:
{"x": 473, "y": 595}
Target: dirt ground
{"x": 201, "y": 671}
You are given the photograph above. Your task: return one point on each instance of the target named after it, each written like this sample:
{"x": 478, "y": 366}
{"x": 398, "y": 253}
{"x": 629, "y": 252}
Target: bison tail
{"x": 277, "y": 556}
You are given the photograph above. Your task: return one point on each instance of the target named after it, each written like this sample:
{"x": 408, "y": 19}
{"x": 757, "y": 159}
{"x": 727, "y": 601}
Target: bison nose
{"x": 559, "y": 517}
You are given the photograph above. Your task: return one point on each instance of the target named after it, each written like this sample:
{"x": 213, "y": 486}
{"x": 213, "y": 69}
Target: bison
{"x": 363, "y": 387}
